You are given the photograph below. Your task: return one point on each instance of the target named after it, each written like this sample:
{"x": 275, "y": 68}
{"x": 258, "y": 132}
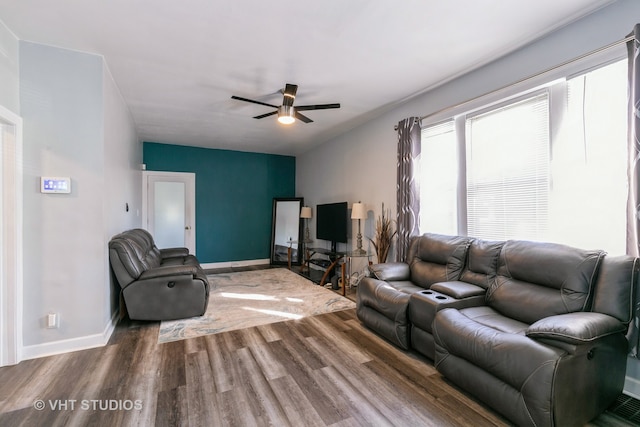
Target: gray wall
{"x": 62, "y": 109}
{"x": 361, "y": 164}
{"x": 122, "y": 177}
{"x": 76, "y": 124}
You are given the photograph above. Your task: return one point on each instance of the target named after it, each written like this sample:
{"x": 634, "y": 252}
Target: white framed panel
{"x": 11, "y": 262}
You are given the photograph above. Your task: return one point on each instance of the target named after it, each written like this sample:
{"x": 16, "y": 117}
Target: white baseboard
{"x": 235, "y": 264}
{"x": 632, "y": 387}
{"x": 73, "y": 344}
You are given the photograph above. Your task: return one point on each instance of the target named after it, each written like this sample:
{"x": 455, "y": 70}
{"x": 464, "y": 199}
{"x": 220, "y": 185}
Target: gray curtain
{"x": 633, "y": 201}
{"x": 407, "y": 188}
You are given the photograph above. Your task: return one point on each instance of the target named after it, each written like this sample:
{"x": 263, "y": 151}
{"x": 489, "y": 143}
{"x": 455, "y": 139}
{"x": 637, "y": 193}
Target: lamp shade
{"x": 305, "y": 212}
{"x": 358, "y": 211}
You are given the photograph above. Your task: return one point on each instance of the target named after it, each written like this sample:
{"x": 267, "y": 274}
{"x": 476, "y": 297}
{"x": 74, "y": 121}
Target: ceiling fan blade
{"x": 289, "y": 94}
{"x": 262, "y": 116}
{"x": 303, "y": 118}
{"x": 239, "y": 98}
{"x": 317, "y": 107}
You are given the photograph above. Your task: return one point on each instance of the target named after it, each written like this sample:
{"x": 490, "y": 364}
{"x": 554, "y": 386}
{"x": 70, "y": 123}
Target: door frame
{"x": 11, "y": 235}
{"x": 189, "y": 179}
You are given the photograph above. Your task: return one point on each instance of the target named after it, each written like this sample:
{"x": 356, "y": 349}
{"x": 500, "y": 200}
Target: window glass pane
{"x": 439, "y": 180}
{"x": 588, "y": 201}
{"x": 508, "y": 171}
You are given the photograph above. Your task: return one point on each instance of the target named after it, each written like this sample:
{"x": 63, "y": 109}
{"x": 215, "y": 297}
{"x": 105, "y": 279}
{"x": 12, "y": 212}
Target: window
{"x": 549, "y": 165}
{"x": 508, "y": 170}
{"x": 439, "y": 179}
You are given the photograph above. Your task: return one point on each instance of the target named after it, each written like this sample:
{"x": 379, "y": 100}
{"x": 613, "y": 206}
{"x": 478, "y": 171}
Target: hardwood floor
{"x": 326, "y": 370}
{"x": 323, "y": 370}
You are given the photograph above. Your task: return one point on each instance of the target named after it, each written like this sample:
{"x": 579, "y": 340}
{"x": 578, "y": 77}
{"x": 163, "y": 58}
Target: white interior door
{"x": 169, "y": 208}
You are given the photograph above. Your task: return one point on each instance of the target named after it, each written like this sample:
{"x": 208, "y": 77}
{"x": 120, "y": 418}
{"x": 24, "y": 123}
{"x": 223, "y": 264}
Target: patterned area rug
{"x": 251, "y": 298}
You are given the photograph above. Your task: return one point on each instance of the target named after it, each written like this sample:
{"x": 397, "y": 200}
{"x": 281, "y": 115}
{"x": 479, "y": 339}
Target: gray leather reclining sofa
{"x": 157, "y": 284}
{"x": 534, "y": 330}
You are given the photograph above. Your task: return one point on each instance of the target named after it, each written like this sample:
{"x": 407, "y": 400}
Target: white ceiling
{"x": 177, "y": 63}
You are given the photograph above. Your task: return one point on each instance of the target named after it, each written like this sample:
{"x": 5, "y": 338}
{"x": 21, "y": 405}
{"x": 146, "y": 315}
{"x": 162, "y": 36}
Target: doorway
{"x": 168, "y": 209}
{"x": 10, "y": 238}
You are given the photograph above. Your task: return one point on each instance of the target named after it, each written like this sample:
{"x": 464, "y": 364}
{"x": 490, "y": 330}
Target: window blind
{"x": 508, "y": 170}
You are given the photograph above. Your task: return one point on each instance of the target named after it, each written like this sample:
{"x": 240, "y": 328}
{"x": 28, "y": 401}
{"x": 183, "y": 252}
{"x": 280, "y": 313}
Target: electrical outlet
{"x": 52, "y": 320}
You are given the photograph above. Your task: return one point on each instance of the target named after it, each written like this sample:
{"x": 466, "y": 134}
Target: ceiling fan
{"x": 286, "y": 112}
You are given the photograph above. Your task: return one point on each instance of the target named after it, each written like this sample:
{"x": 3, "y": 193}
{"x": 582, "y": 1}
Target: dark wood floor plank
{"x": 387, "y": 396}
{"x": 336, "y": 320}
{"x": 334, "y": 346}
{"x": 143, "y": 383}
{"x": 172, "y": 365}
{"x": 357, "y": 406}
{"x": 16, "y": 378}
{"x": 294, "y": 339}
{"x": 420, "y": 397}
{"x": 221, "y": 361}
{"x": 295, "y": 404}
{"x": 195, "y": 345}
{"x": 235, "y": 410}
{"x": 233, "y": 340}
{"x": 269, "y": 365}
{"x": 259, "y": 395}
{"x": 327, "y": 370}
{"x": 172, "y": 407}
{"x": 303, "y": 376}
{"x": 251, "y": 336}
{"x": 203, "y": 404}
{"x": 269, "y": 333}
{"x": 22, "y": 392}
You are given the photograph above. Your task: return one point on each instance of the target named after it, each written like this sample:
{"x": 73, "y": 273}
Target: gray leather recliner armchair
{"x": 549, "y": 346}
{"x": 157, "y": 284}
{"x": 534, "y": 330}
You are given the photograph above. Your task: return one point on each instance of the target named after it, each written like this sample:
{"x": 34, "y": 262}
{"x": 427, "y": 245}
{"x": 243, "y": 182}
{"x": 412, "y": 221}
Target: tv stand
{"x": 328, "y": 265}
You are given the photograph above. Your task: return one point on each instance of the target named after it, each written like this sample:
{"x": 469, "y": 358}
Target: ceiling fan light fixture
{"x": 286, "y": 115}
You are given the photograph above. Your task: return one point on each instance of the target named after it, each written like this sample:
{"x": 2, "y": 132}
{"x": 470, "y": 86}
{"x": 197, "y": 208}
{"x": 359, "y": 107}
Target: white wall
{"x": 361, "y": 164}
{"x": 75, "y": 124}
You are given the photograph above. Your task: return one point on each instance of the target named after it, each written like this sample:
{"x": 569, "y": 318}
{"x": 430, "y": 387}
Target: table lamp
{"x": 359, "y": 212}
{"x": 305, "y": 213}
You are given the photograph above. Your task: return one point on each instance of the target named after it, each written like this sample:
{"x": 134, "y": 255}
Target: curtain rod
{"x": 548, "y": 70}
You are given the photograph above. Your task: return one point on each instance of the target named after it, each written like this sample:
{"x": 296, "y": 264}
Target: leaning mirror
{"x": 286, "y": 230}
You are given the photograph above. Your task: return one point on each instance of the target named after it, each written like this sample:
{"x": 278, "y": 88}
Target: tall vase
{"x": 384, "y": 236}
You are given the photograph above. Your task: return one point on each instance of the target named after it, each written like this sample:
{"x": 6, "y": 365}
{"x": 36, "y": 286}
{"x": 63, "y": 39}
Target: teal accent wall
{"x": 234, "y": 196}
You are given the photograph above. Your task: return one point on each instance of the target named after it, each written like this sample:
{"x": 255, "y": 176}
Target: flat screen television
{"x": 331, "y": 223}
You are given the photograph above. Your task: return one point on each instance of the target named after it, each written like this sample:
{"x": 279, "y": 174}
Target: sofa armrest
{"x": 575, "y": 328}
{"x": 171, "y": 270}
{"x": 173, "y": 252}
{"x": 391, "y": 271}
{"x": 458, "y": 289}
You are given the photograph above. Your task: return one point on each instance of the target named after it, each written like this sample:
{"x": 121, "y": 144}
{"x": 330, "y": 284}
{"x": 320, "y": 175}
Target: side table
{"x": 350, "y": 256}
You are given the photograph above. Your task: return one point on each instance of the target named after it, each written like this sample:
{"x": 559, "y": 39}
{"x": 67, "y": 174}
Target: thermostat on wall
{"x": 55, "y": 184}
